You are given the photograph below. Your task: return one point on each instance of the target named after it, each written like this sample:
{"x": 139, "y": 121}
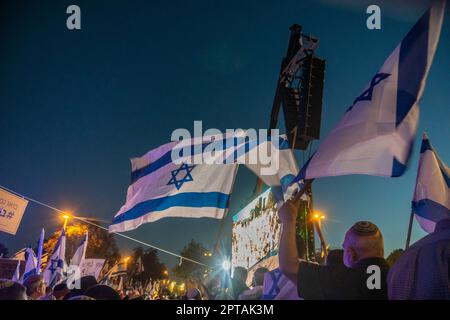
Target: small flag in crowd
{"x": 55, "y": 269}
{"x": 30, "y": 264}
{"x": 80, "y": 254}
{"x": 161, "y": 187}
{"x": 376, "y": 134}
{"x": 139, "y": 265}
{"x": 431, "y": 201}
{"x": 39, "y": 256}
{"x": 16, "y": 275}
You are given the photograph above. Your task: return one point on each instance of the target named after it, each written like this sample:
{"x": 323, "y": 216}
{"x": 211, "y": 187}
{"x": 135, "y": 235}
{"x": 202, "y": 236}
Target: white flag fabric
{"x": 55, "y": 269}
{"x": 431, "y": 201}
{"x": 30, "y": 264}
{"x": 162, "y": 187}
{"x": 80, "y": 254}
{"x": 118, "y": 269}
{"x": 16, "y": 275}
{"x": 376, "y": 134}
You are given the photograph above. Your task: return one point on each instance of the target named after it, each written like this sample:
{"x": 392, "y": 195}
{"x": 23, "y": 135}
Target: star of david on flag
{"x": 185, "y": 170}
{"x": 376, "y": 134}
{"x": 55, "y": 269}
{"x": 162, "y": 188}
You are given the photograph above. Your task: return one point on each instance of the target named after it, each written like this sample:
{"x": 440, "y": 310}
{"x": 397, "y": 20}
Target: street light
{"x": 66, "y": 217}
{"x": 318, "y": 217}
{"x": 226, "y": 265}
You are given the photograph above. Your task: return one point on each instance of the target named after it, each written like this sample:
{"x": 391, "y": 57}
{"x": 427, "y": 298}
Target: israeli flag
{"x": 80, "y": 254}
{"x": 165, "y": 187}
{"x": 431, "y": 201}
{"x": 40, "y": 248}
{"x": 376, "y": 134}
{"x": 55, "y": 269}
{"x": 16, "y": 275}
{"x": 30, "y": 264}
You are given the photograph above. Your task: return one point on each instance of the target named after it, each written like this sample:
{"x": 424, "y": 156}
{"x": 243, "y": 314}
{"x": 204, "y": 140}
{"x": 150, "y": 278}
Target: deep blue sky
{"x": 76, "y": 105}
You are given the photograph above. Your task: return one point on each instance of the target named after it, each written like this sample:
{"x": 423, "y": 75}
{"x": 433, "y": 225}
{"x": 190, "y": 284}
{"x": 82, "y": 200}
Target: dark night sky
{"x": 76, "y": 105}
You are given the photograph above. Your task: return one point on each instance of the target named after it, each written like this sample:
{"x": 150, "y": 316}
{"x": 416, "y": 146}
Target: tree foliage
{"x": 101, "y": 244}
{"x": 189, "y": 270}
{"x": 153, "y": 269}
{"x": 393, "y": 256}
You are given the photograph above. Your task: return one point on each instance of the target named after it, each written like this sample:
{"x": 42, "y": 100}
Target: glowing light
{"x": 66, "y": 217}
{"x": 126, "y": 259}
{"x": 318, "y": 216}
{"x": 226, "y": 265}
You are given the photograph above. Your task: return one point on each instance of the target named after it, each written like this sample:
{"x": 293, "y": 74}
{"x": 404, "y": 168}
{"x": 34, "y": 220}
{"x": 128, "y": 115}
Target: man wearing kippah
{"x": 363, "y": 275}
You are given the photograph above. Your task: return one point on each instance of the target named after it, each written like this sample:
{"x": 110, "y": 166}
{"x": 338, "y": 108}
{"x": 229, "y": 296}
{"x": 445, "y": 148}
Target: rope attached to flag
{"x": 104, "y": 228}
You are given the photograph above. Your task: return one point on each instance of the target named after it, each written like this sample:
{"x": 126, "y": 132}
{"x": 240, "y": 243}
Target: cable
{"x": 102, "y": 227}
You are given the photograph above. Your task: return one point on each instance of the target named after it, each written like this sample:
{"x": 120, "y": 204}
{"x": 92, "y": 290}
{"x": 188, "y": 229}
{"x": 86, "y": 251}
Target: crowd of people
{"x": 358, "y": 271}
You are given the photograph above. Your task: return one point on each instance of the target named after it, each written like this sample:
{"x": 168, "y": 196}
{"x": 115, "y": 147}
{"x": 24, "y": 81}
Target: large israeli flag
{"x": 167, "y": 182}
{"x": 376, "y": 134}
{"x": 431, "y": 201}
{"x": 30, "y": 264}
{"x": 55, "y": 269}
{"x": 80, "y": 254}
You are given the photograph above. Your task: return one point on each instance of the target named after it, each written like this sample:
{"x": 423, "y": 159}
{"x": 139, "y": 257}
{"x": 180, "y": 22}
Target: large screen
{"x": 255, "y": 232}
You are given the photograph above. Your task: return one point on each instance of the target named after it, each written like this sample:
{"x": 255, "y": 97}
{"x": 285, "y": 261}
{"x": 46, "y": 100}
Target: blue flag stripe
{"x": 412, "y": 66}
{"x": 430, "y": 210}
{"x": 167, "y": 157}
{"x": 187, "y": 199}
{"x": 426, "y": 146}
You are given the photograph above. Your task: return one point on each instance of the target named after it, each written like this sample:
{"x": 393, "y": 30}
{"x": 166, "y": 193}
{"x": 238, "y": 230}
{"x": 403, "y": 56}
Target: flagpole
{"x": 408, "y": 237}
{"x": 39, "y": 257}
{"x": 322, "y": 239}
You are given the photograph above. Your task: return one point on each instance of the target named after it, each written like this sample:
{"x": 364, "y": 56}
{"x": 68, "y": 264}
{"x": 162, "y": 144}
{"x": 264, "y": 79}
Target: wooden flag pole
{"x": 408, "y": 237}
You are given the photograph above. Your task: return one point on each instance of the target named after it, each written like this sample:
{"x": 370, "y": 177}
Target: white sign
{"x": 12, "y": 209}
{"x": 91, "y": 267}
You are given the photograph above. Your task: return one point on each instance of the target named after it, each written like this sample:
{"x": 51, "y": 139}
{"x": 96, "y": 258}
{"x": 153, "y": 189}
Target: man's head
{"x": 35, "y": 286}
{"x": 363, "y": 240}
{"x": 11, "y": 290}
{"x": 240, "y": 273}
{"x": 102, "y": 292}
{"x": 60, "y": 290}
{"x": 258, "y": 276}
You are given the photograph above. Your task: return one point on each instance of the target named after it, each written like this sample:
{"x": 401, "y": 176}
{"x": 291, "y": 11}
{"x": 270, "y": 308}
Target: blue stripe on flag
{"x": 187, "y": 199}
{"x": 412, "y": 66}
{"x": 302, "y": 174}
{"x": 445, "y": 174}
{"x": 430, "y": 210}
{"x": 426, "y": 146}
{"x": 167, "y": 157}
{"x": 398, "y": 168}
{"x": 29, "y": 273}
